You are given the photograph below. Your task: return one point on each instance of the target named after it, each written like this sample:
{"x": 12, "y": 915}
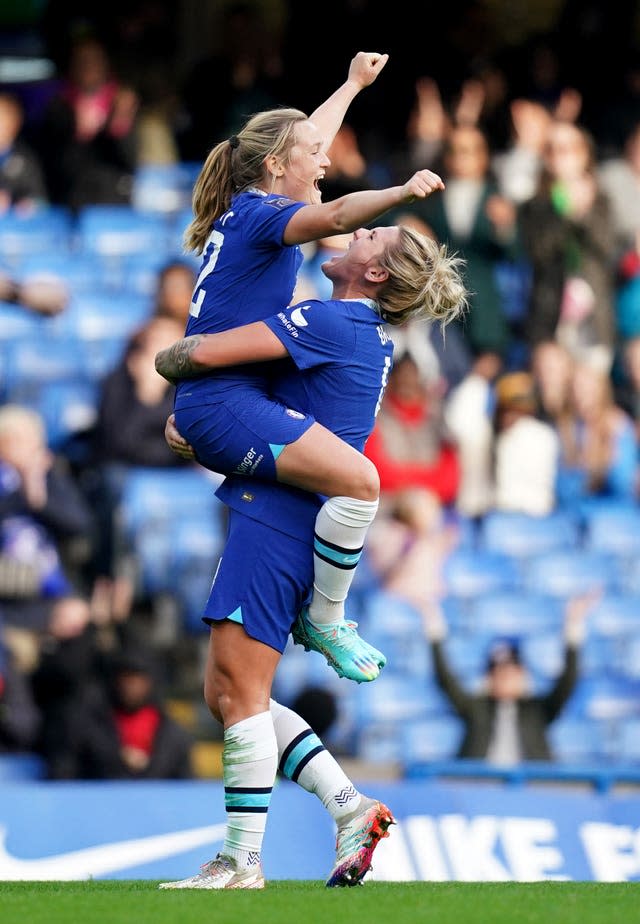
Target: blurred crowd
{"x": 529, "y": 408}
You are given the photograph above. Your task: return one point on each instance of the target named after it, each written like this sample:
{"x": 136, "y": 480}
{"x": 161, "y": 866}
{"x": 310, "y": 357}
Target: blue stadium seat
{"x": 616, "y": 615}
{"x": 68, "y": 408}
{"x": 514, "y": 612}
{"x": 19, "y": 768}
{"x": 117, "y": 231}
{"x": 613, "y": 529}
{"x": 396, "y": 698}
{"x": 103, "y": 316}
{"x": 35, "y": 361}
{"x": 466, "y": 654}
{"x": 173, "y": 523}
{"x": 431, "y": 739}
{"x": 607, "y": 698}
{"x": 520, "y": 535}
{"x": 77, "y": 273}
{"x": 17, "y": 323}
{"x": 468, "y": 573}
{"x": 389, "y": 614}
{"x": 379, "y": 743}
{"x": 21, "y": 236}
{"x": 579, "y": 740}
{"x": 566, "y": 574}
{"x": 628, "y": 741}
{"x": 162, "y": 188}
{"x": 406, "y": 654}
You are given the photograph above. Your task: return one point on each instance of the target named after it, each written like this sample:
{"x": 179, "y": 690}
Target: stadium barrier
{"x": 448, "y": 830}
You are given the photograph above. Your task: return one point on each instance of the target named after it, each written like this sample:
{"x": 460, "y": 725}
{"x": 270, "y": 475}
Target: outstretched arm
{"x": 356, "y": 209}
{"x": 200, "y": 353}
{"x": 363, "y": 70}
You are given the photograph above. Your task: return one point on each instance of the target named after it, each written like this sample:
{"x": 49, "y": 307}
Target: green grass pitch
{"x": 286, "y": 902}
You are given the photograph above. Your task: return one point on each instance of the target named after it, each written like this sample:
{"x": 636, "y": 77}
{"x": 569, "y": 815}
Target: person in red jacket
{"x": 409, "y": 445}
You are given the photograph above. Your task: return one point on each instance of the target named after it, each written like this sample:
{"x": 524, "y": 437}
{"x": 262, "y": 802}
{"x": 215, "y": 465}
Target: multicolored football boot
{"x": 344, "y": 650}
{"x": 356, "y": 841}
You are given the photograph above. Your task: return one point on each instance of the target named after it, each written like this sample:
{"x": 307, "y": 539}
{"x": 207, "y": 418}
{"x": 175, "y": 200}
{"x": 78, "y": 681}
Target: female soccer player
{"x": 340, "y": 356}
{"x": 256, "y": 200}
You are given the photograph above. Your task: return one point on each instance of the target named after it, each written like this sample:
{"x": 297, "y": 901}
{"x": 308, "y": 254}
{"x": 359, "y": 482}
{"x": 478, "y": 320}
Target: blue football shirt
{"x": 343, "y": 356}
{"x": 246, "y": 274}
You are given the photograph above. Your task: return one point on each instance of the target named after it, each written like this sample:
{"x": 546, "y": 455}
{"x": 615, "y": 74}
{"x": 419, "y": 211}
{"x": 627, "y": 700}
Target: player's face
{"x": 364, "y": 251}
{"x": 305, "y": 166}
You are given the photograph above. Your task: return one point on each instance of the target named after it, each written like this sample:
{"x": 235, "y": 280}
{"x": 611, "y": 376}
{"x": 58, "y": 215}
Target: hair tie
{"x": 234, "y": 142}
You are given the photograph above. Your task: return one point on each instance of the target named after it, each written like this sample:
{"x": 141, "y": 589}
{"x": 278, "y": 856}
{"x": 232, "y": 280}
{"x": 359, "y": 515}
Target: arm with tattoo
{"x": 176, "y": 362}
{"x": 202, "y": 353}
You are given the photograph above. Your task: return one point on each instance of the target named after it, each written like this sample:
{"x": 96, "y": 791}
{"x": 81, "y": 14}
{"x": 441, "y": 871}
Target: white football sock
{"x": 304, "y": 760}
{"x": 249, "y": 766}
{"x": 340, "y": 530}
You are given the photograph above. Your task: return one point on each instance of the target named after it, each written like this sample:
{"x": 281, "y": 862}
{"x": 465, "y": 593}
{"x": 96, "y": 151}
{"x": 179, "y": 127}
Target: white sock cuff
{"x": 350, "y": 511}
{"x": 250, "y": 739}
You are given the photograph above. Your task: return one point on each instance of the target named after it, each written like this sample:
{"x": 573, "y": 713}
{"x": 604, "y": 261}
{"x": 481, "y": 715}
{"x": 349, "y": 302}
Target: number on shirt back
{"x": 216, "y": 238}
{"x": 383, "y": 384}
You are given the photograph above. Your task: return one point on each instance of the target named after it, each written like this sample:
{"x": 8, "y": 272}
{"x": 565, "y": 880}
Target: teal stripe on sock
{"x": 310, "y": 743}
{"x": 342, "y": 558}
{"x": 236, "y": 616}
{"x": 276, "y": 449}
{"x": 247, "y": 799}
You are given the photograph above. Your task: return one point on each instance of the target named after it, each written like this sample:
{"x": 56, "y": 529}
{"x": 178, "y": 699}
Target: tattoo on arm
{"x": 175, "y": 362}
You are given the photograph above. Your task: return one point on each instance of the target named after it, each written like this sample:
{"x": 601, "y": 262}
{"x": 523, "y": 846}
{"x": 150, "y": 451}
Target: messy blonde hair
{"x": 237, "y": 164}
{"x": 424, "y": 281}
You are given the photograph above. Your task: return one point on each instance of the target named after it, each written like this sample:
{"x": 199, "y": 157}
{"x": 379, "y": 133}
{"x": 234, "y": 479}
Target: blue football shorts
{"x": 263, "y": 580}
{"x": 243, "y": 437}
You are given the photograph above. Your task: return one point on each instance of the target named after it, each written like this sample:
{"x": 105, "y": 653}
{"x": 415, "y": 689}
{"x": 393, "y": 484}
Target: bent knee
{"x": 366, "y": 484}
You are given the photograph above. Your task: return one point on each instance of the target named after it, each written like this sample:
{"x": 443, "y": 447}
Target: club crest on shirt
{"x": 295, "y": 414}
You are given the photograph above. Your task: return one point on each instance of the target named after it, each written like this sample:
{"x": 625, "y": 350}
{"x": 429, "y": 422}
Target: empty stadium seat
{"x": 15, "y": 768}
{"x": 569, "y": 573}
{"x": 173, "y": 524}
{"x": 579, "y": 740}
{"x": 520, "y": 535}
{"x": 116, "y": 231}
{"x": 46, "y": 230}
{"x": 513, "y": 612}
{"x": 162, "y": 188}
{"x": 103, "y": 316}
{"x": 627, "y": 744}
{"x": 612, "y": 528}
{"x": 431, "y": 739}
{"x": 468, "y": 573}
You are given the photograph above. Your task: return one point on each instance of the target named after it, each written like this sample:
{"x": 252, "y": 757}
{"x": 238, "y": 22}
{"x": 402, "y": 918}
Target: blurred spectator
{"x": 599, "y": 449}
{"x": 526, "y": 449}
{"x": 136, "y": 401}
{"x": 468, "y": 415}
{"x": 87, "y": 133}
{"x": 45, "y": 296}
{"x": 19, "y": 716}
{"x": 134, "y": 405}
{"x": 568, "y": 238}
{"x": 473, "y": 220}
{"x": 45, "y": 523}
{"x": 22, "y": 185}
{"x": 318, "y": 707}
{"x": 174, "y": 290}
{"x": 552, "y": 368}
{"x": 124, "y": 731}
{"x": 244, "y": 67}
{"x": 407, "y": 545}
{"x": 408, "y": 445}
{"x": 68, "y": 672}
{"x": 620, "y": 179}
{"x": 518, "y": 167}
{"x": 505, "y": 721}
